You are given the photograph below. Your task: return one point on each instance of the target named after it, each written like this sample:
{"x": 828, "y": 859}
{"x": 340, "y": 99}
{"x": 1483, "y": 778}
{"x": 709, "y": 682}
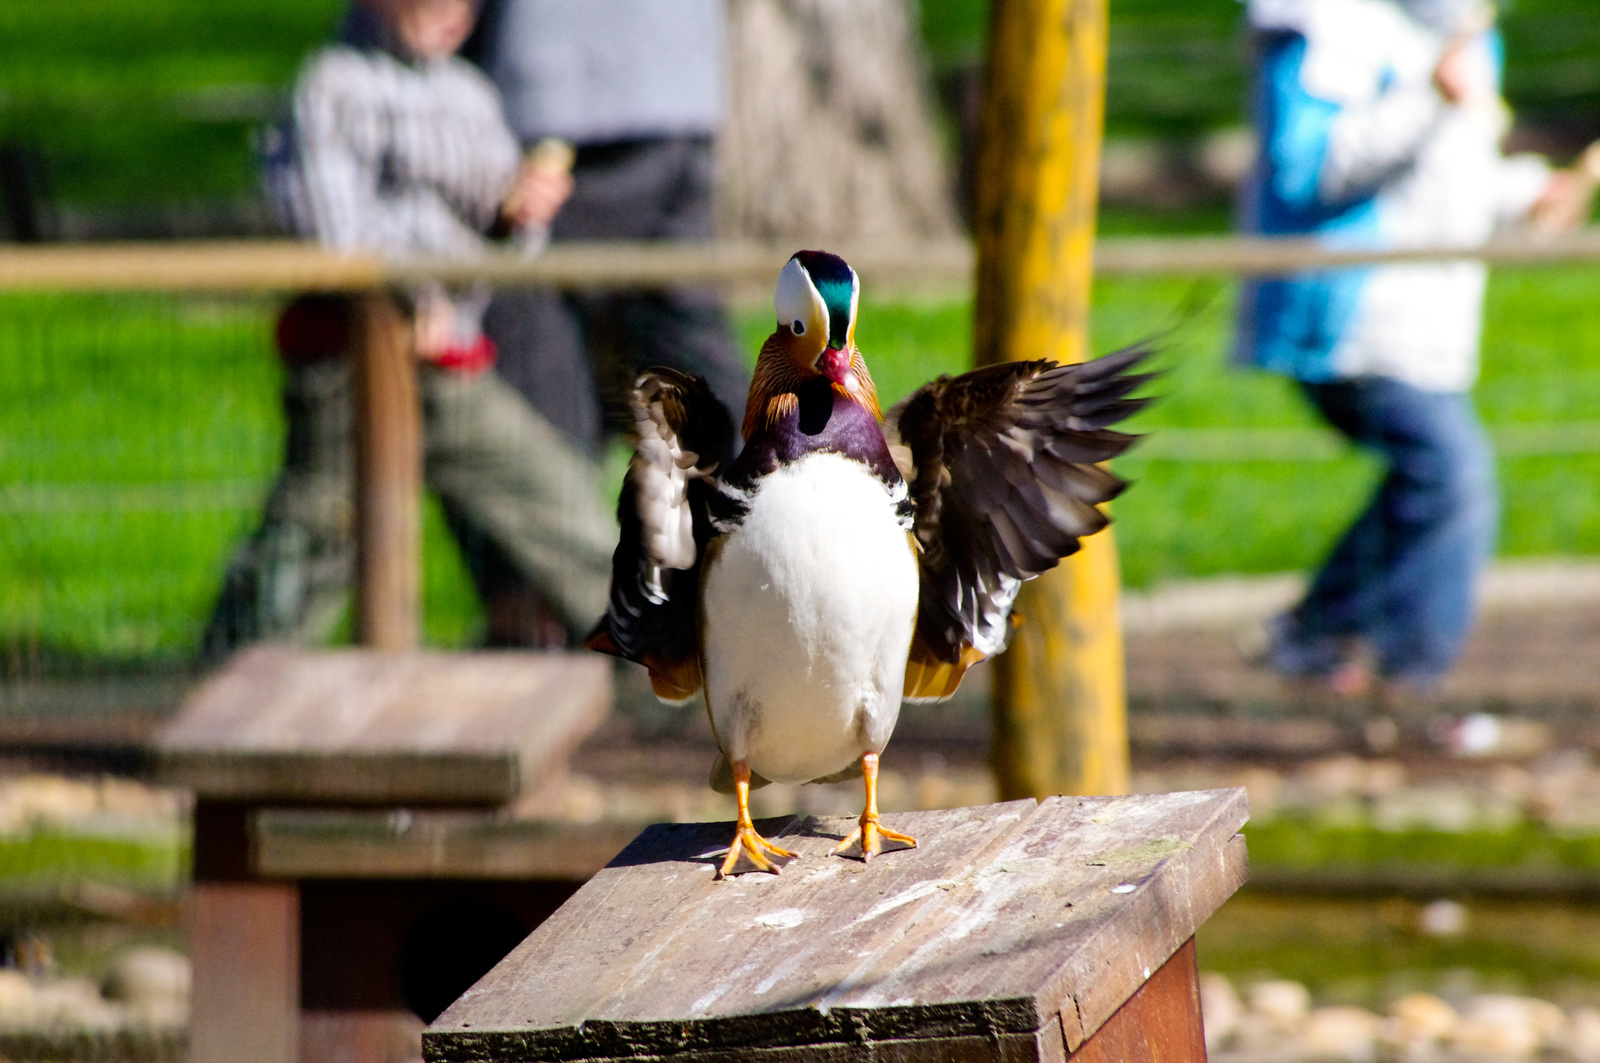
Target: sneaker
{"x": 1291, "y": 655}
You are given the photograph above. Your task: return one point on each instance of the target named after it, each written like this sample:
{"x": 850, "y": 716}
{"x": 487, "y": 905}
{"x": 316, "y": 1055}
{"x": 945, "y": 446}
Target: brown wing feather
{"x": 1006, "y": 481}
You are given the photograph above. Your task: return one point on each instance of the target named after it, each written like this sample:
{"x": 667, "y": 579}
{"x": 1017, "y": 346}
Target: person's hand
{"x": 1453, "y": 76}
{"x": 1565, "y": 203}
{"x": 431, "y": 325}
{"x": 537, "y": 194}
{"x": 1464, "y": 75}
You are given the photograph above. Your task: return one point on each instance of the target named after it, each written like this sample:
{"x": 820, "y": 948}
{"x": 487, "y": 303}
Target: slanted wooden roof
{"x": 1019, "y": 926}
{"x": 374, "y": 727}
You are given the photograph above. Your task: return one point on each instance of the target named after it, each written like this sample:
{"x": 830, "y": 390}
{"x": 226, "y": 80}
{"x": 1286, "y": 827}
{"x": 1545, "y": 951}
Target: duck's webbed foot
{"x": 746, "y": 842}
{"x": 755, "y": 848}
{"x": 871, "y": 834}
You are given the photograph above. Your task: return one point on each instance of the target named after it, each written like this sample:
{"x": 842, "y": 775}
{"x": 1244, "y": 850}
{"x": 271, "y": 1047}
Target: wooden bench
{"x": 308, "y": 966}
{"x": 300, "y": 844}
{"x": 1017, "y": 931}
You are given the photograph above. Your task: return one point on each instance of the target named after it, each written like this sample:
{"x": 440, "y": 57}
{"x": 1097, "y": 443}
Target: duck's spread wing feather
{"x": 682, "y": 435}
{"x": 1003, "y": 473}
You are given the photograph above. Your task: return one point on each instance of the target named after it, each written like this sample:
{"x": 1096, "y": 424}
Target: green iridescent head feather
{"x": 836, "y": 283}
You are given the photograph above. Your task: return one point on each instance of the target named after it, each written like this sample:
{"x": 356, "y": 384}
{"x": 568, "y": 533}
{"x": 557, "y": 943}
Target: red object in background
{"x": 314, "y": 328}
{"x": 471, "y": 357}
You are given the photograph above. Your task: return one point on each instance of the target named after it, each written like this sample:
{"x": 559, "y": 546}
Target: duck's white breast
{"x": 808, "y": 612}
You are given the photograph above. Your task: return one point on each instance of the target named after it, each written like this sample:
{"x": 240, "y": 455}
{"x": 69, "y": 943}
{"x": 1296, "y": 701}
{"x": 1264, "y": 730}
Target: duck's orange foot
{"x": 756, "y": 849}
{"x": 870, "y": 836}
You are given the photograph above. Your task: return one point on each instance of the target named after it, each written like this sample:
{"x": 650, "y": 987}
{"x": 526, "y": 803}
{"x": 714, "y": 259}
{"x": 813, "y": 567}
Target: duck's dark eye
{"x": 799, "y": 327}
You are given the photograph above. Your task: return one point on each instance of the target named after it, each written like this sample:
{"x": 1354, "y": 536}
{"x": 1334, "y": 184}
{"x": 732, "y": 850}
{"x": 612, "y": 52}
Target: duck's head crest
{"x": 816, "y": 301}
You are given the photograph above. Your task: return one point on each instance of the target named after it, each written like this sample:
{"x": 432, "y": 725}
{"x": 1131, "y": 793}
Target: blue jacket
{"x": 1356, "y": 148}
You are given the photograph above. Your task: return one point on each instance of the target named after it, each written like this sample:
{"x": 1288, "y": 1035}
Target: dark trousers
{"x": 1403, "y": 575}
{"x": 575, "y": 354}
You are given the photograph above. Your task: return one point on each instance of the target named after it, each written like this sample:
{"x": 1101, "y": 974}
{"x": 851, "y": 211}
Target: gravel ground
{"x": 1512, "y": 741}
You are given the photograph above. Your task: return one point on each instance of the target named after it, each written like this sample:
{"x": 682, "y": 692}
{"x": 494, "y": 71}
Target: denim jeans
{"x": 1403, "y": 576}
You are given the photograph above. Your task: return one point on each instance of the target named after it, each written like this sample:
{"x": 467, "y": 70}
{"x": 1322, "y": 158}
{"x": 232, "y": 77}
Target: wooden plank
{"x": 371, "y": 1035}
{"x": 1159, "y": 1024}
{"x": 388, "y": 419}
{"x": 655, "y": 263}
{"x": 244, "y": 943}
{"x": 802, "y": 945}
{"x": 309, "y": 844}
{"x": 551, "y": 981}
{"x": 210, "y": 266}
{"x": 383, "y": 728}
{"x": 477, "y": 779}
{"x": 1268, "y": 256}
{"x": 287, "y": 266}
{"x": 1101, "y": 891}
{"x": 1005, "y": 914}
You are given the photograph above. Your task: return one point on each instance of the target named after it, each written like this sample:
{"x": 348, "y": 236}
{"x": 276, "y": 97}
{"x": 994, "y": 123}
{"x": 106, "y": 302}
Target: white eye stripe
{"x": 797, "y": 300}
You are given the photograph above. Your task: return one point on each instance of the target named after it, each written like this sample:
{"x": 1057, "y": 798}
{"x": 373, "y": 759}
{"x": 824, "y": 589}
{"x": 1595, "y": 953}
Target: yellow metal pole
{"x": 1060, "y": 715}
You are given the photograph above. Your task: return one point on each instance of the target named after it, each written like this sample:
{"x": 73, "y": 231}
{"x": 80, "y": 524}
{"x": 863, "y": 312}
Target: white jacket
{"x": 1358, "y": 148}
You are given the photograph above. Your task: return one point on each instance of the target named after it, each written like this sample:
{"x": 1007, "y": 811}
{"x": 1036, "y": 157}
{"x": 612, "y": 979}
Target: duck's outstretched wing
{"x": 682, "y": 435}
{"x": 1002, "y": 463}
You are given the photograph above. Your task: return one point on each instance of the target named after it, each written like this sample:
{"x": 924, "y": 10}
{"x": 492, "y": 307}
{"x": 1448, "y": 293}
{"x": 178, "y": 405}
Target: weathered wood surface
{"x": 369, "y": 727}
{"x": 359, "y": 1035}
{"x": 244, "y": 942}
{"x": 289, "y": 266}
{"x": 314, "y": 843}
{"x": 1159, "y": 1024}
{"x": 388, "y": 417}
{"x": 1013, "y": 932}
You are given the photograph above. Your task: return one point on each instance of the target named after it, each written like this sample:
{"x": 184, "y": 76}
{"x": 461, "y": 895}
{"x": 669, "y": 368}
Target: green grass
{"x": 1369, "y": 951}
{"x": 1180, "y": 67}
{"x": 1301, "y": 842}
{"x": 153, "y": 101}
{"x": 139, "y": 434}
{"x": 1186, "y": 519}
{"x": 140, "y": 102}
{"x": 156, "y": 862}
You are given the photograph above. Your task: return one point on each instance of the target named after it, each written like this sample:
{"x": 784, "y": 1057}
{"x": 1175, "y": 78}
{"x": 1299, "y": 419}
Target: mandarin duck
{"x": 844, "y": 561}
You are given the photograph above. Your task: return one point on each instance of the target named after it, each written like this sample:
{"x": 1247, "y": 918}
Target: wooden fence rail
{"x": 283, "y": 265}
{"x": 389, "y": 457}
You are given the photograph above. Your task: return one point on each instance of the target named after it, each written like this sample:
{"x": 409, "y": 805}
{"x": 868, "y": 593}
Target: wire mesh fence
{"x": 140, "y": 433}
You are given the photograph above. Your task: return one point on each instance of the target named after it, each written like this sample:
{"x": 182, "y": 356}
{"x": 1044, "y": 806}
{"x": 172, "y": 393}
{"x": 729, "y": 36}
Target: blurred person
{"x": 1379, "y": 124}
{"x": 637, "y": 87}
{"x": 396, "y": 146}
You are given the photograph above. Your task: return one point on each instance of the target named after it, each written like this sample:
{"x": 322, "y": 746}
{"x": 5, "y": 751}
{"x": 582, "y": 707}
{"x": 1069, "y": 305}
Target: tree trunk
{"x": 830, "y": 136}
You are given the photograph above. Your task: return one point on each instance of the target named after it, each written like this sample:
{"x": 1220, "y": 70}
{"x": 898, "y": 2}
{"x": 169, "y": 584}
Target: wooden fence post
{"x": 388, "y": 479}
{"x": 1060, "y": 716}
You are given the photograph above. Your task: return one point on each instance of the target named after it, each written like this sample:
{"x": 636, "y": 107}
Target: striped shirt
{"x": 396, "y": 157}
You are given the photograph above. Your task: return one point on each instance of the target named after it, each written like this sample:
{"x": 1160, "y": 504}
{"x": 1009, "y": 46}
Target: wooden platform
{"x": 362, "y": 726}
{"x": 1014, "y": 932}
{"x": 319, "y": 960}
